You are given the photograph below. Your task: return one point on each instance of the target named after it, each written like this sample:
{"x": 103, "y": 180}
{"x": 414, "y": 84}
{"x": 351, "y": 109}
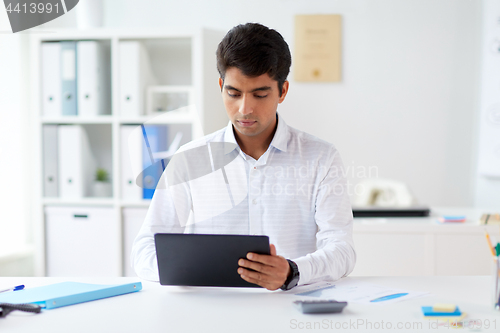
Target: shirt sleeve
{"x": 164, "y": 216}
{"x": 335, "y": 256}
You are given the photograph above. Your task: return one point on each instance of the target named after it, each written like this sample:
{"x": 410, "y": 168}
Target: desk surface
{"x": 190, "y": 309}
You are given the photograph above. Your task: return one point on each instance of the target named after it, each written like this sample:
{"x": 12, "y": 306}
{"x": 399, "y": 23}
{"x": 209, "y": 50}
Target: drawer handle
{"x": 83, "y": 216}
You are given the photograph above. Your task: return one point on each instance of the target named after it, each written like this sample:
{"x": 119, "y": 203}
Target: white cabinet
{"x": 82, "y": 241}
{"x": 421, "y": 246}
{"x": 462, "y": 254}
{"x": 132, "y": 222}
{"x": 385, "y": 254}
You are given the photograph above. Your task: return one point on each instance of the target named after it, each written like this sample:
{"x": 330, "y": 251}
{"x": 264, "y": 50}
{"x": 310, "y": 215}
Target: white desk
{"x": 189, "y": 309}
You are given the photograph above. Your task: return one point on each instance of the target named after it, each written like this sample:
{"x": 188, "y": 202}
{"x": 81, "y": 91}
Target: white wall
{"x": 15, "y": 177}
{"x": 488, "y": 187}
{"x": 407, "y": 103}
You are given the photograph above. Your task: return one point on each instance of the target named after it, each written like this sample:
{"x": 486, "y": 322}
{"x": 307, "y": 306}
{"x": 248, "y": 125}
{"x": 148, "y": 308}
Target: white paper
{"x": 355, "y": 292}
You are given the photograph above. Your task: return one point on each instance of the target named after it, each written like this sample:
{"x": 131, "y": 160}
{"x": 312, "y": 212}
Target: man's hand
{"x": 271, "y": 271}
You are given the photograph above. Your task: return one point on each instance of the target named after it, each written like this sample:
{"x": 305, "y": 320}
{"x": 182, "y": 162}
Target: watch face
{"x": 294, "y": 282}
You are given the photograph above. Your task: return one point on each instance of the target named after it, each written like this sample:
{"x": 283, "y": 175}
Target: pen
{"x": 489, "y": 244}
{"x": 20, "y": 287}
{"x": 388, "y": 297}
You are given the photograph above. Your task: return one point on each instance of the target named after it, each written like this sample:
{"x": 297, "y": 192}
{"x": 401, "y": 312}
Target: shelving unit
{"x": 104, "y": 119}
{"x": 180, "y": 59}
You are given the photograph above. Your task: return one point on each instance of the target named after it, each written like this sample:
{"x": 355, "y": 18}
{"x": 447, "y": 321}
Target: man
{"x": 295, "y": 191}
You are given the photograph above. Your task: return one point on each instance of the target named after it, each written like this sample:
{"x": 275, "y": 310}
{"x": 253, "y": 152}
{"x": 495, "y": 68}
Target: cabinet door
{"x": 82, "y": 241}
{"x": 390, "y": 254}
{"x": 132, "y": 222}
{"x": 462, "y": 255}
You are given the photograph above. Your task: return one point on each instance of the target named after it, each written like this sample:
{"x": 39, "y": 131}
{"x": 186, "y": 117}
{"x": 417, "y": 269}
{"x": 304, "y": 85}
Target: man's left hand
{"x": 269, "y": 271}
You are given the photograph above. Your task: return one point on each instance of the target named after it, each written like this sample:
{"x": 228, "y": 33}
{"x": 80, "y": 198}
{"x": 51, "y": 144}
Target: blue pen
{"x": 388, "y": 297}
{"x": 20, "y": 287}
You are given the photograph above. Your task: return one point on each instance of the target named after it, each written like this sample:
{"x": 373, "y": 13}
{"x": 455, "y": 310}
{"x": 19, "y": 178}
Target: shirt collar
{"x": 279, "y": 141}
{"x": 229, "y": 134}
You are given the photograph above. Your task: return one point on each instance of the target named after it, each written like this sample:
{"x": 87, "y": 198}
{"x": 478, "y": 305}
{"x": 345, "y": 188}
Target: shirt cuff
{"x": 304, "y": 266}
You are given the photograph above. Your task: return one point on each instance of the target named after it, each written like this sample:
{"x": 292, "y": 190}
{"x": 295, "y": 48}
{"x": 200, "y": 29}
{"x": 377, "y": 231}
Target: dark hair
{"x": 255, "y": 50}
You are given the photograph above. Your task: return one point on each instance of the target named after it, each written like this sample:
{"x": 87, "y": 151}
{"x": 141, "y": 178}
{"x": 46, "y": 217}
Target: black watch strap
{"x": 293, "y": 278}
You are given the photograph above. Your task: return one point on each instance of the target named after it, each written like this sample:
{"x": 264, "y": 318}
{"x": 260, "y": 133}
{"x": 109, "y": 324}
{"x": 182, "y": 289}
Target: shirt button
{"x": 255, "y": 168}
{"x": 254, "y": 201}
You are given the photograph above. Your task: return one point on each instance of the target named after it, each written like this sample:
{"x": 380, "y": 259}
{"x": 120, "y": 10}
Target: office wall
{"x": 487, "y": 187}
{"x": 15, "y": 177}
{"x": 407, "y": 103}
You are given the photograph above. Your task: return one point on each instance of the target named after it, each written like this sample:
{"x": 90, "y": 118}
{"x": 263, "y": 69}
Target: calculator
{"x": 320, "y": 306}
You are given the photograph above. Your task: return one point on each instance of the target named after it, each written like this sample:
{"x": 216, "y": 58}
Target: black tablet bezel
{"x": 205, "y": 259}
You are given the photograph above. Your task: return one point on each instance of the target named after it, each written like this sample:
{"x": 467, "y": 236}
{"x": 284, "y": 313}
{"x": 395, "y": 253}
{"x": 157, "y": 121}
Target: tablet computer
{"x": 205, "y": 260}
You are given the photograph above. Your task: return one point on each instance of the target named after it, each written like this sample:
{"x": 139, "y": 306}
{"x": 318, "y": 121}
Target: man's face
{"x": 251, "y": 103}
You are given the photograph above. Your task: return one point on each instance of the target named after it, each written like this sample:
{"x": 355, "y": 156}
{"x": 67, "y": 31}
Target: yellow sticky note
{"x": 443, "y": 307}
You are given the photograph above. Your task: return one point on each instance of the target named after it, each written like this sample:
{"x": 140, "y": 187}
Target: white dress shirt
{"x": 295, "y": 193}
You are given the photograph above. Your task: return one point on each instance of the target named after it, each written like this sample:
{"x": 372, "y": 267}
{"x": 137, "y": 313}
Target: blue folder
{"x": 155, "y": 139}
{"x": 67, "y": 293}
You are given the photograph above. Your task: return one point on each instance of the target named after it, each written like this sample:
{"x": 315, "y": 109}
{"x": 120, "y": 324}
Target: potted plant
{"x": 102, "y": 186}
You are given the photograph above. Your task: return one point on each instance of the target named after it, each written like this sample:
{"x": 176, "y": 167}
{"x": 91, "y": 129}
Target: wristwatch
{"x": 293, "y": 278}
